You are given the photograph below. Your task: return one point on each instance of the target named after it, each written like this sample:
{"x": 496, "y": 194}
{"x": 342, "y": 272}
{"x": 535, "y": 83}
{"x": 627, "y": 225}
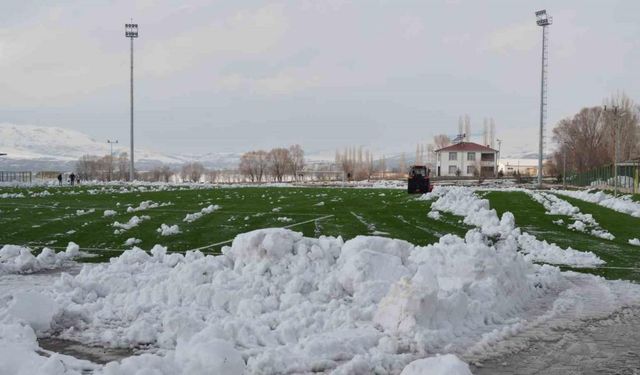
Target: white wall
{"x": 462, "y": 163}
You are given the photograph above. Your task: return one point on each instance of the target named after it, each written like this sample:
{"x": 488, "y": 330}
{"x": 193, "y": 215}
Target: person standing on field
{"x": 72, "y": 178}
{"x": 60, "y": 179}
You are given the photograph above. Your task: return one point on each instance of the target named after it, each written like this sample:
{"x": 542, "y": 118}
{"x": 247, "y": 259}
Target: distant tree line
{"x": 105, "y": 168}
{"x": 356, "y": 163}
{"x": 278, "y": 164}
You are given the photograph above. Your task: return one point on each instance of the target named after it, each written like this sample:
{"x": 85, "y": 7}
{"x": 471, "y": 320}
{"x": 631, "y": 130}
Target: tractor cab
{"x": 418, "y": 180}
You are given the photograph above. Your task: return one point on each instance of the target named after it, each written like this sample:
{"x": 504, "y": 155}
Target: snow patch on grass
{"x": 132, "y": 241}
{"x": 168, "y": 230}
{"x": 190, "y": 218}
{"x": 108, "y": 213}
{"x": 146, "y": 205}
{"x": 133, "y": 222}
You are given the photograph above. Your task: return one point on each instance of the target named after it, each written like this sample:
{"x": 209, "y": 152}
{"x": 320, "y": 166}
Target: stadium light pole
{"x": 131, "y": 32}
{"x": 111, "y": 143}
{"x": 543, "y": 20}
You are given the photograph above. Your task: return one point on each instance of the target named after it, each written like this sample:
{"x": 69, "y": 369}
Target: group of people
{"x": 72, "y": 179}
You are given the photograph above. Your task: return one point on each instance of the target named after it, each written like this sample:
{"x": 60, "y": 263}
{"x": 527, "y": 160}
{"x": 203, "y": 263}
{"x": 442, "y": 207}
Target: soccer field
{"x": 64, "y": 214}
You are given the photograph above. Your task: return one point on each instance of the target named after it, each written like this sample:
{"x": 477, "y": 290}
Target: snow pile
{"x": 582, "y": 222}
{"x": 434, "y": 214}
{"x": 447, "y": 364}
{"x": 132, "y": 241}
{"x": 12, "y": 195}
{"x": 284, "y": 219}
{"x": 634, "y": 241}
{"x": 623, "y": 204}
{"x": 145, "y": 205}
{"x": 190, "y": 218}
{"x": 277, "y": 302}
{"x": 18, "y": 259}
{"x": 168, "y": 230}
{"x": 462, "y": 201}
{"x": 553, "y": 204}
{"x": 85, "y": 212}
{"x": 108, "y": 213}
{"x": 133, "y": 222}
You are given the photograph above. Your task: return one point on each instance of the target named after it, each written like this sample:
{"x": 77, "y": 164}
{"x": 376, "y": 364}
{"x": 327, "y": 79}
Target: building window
{"x": 471, "y": 156}
{"x": 471, "y": 169}
{"x": 452, "y": 170}
{"x": 487, "y": 157}
{"x": 453, "y": 156}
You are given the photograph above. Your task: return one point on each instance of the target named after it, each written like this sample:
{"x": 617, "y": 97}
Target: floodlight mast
{"x": 131, "y": 31}
{"x": 542, "y": 19}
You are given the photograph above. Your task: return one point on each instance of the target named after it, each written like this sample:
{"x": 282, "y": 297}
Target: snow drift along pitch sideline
{"x": 462, "y": 201}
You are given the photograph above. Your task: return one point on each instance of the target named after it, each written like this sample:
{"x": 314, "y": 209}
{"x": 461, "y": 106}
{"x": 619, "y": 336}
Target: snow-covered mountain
{"x": 30, "y": 147}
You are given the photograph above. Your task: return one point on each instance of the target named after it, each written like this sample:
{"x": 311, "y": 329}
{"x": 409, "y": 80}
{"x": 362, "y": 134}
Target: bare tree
{"x": 441, "y": 141}
{"x": 254, "y": 165}
{"x": 192, "y": 172}
{"x": 247, "y": 165}
{"x": 212, "y": 175}
{"x": 262, "y": 164}
{"x": 296, "y": 154}
{"x": 403, "y": 164}
{"x": 588, "y": 137}
{"x": 623, "y": 126}
{"x": 383, "y": 166}
{"x": 166, "y": 173}
{"x": 123, "y": 166}
{"x": 279, "y": 160}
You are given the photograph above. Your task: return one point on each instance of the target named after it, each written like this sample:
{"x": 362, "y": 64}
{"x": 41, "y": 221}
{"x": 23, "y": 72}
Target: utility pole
{"x": 499, "y": 153}
{"x": 614, "y": 110}
{"x": 131, "y": 32}
{"x": 111, "y": 143}
{"x": 564, "y": 166}
{"x": 543, "y": 20}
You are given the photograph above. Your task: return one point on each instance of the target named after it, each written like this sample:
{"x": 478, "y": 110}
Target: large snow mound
{"x": 277, "y": 302}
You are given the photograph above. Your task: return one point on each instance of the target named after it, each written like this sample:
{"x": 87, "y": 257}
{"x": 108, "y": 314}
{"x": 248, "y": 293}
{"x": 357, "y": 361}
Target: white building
{"x": 524, "y": 167}
{"x": 466, "y": 159}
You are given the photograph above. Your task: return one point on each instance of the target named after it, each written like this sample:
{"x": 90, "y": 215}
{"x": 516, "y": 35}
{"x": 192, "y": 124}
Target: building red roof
{"x": 467, "y": 146}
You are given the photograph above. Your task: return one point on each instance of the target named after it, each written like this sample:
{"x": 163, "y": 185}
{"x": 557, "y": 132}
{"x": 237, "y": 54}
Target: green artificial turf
{"x": 53, "y": 221}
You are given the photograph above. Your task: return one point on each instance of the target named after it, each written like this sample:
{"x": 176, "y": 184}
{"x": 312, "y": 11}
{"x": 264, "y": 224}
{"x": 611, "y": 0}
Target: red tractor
{"x": 418, "y": 181}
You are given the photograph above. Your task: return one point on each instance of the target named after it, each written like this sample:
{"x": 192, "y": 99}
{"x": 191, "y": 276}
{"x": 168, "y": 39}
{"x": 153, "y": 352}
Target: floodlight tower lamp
{"x": 543, "y": 20}
{"x": 131, "y": 32}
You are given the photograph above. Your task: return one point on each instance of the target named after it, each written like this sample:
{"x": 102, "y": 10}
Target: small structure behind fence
{"x": 10, "y": 176}
{"x": 604, "y": 177}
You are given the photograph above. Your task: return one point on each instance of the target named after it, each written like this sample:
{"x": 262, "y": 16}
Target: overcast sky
{"x": 240, "y": 74}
